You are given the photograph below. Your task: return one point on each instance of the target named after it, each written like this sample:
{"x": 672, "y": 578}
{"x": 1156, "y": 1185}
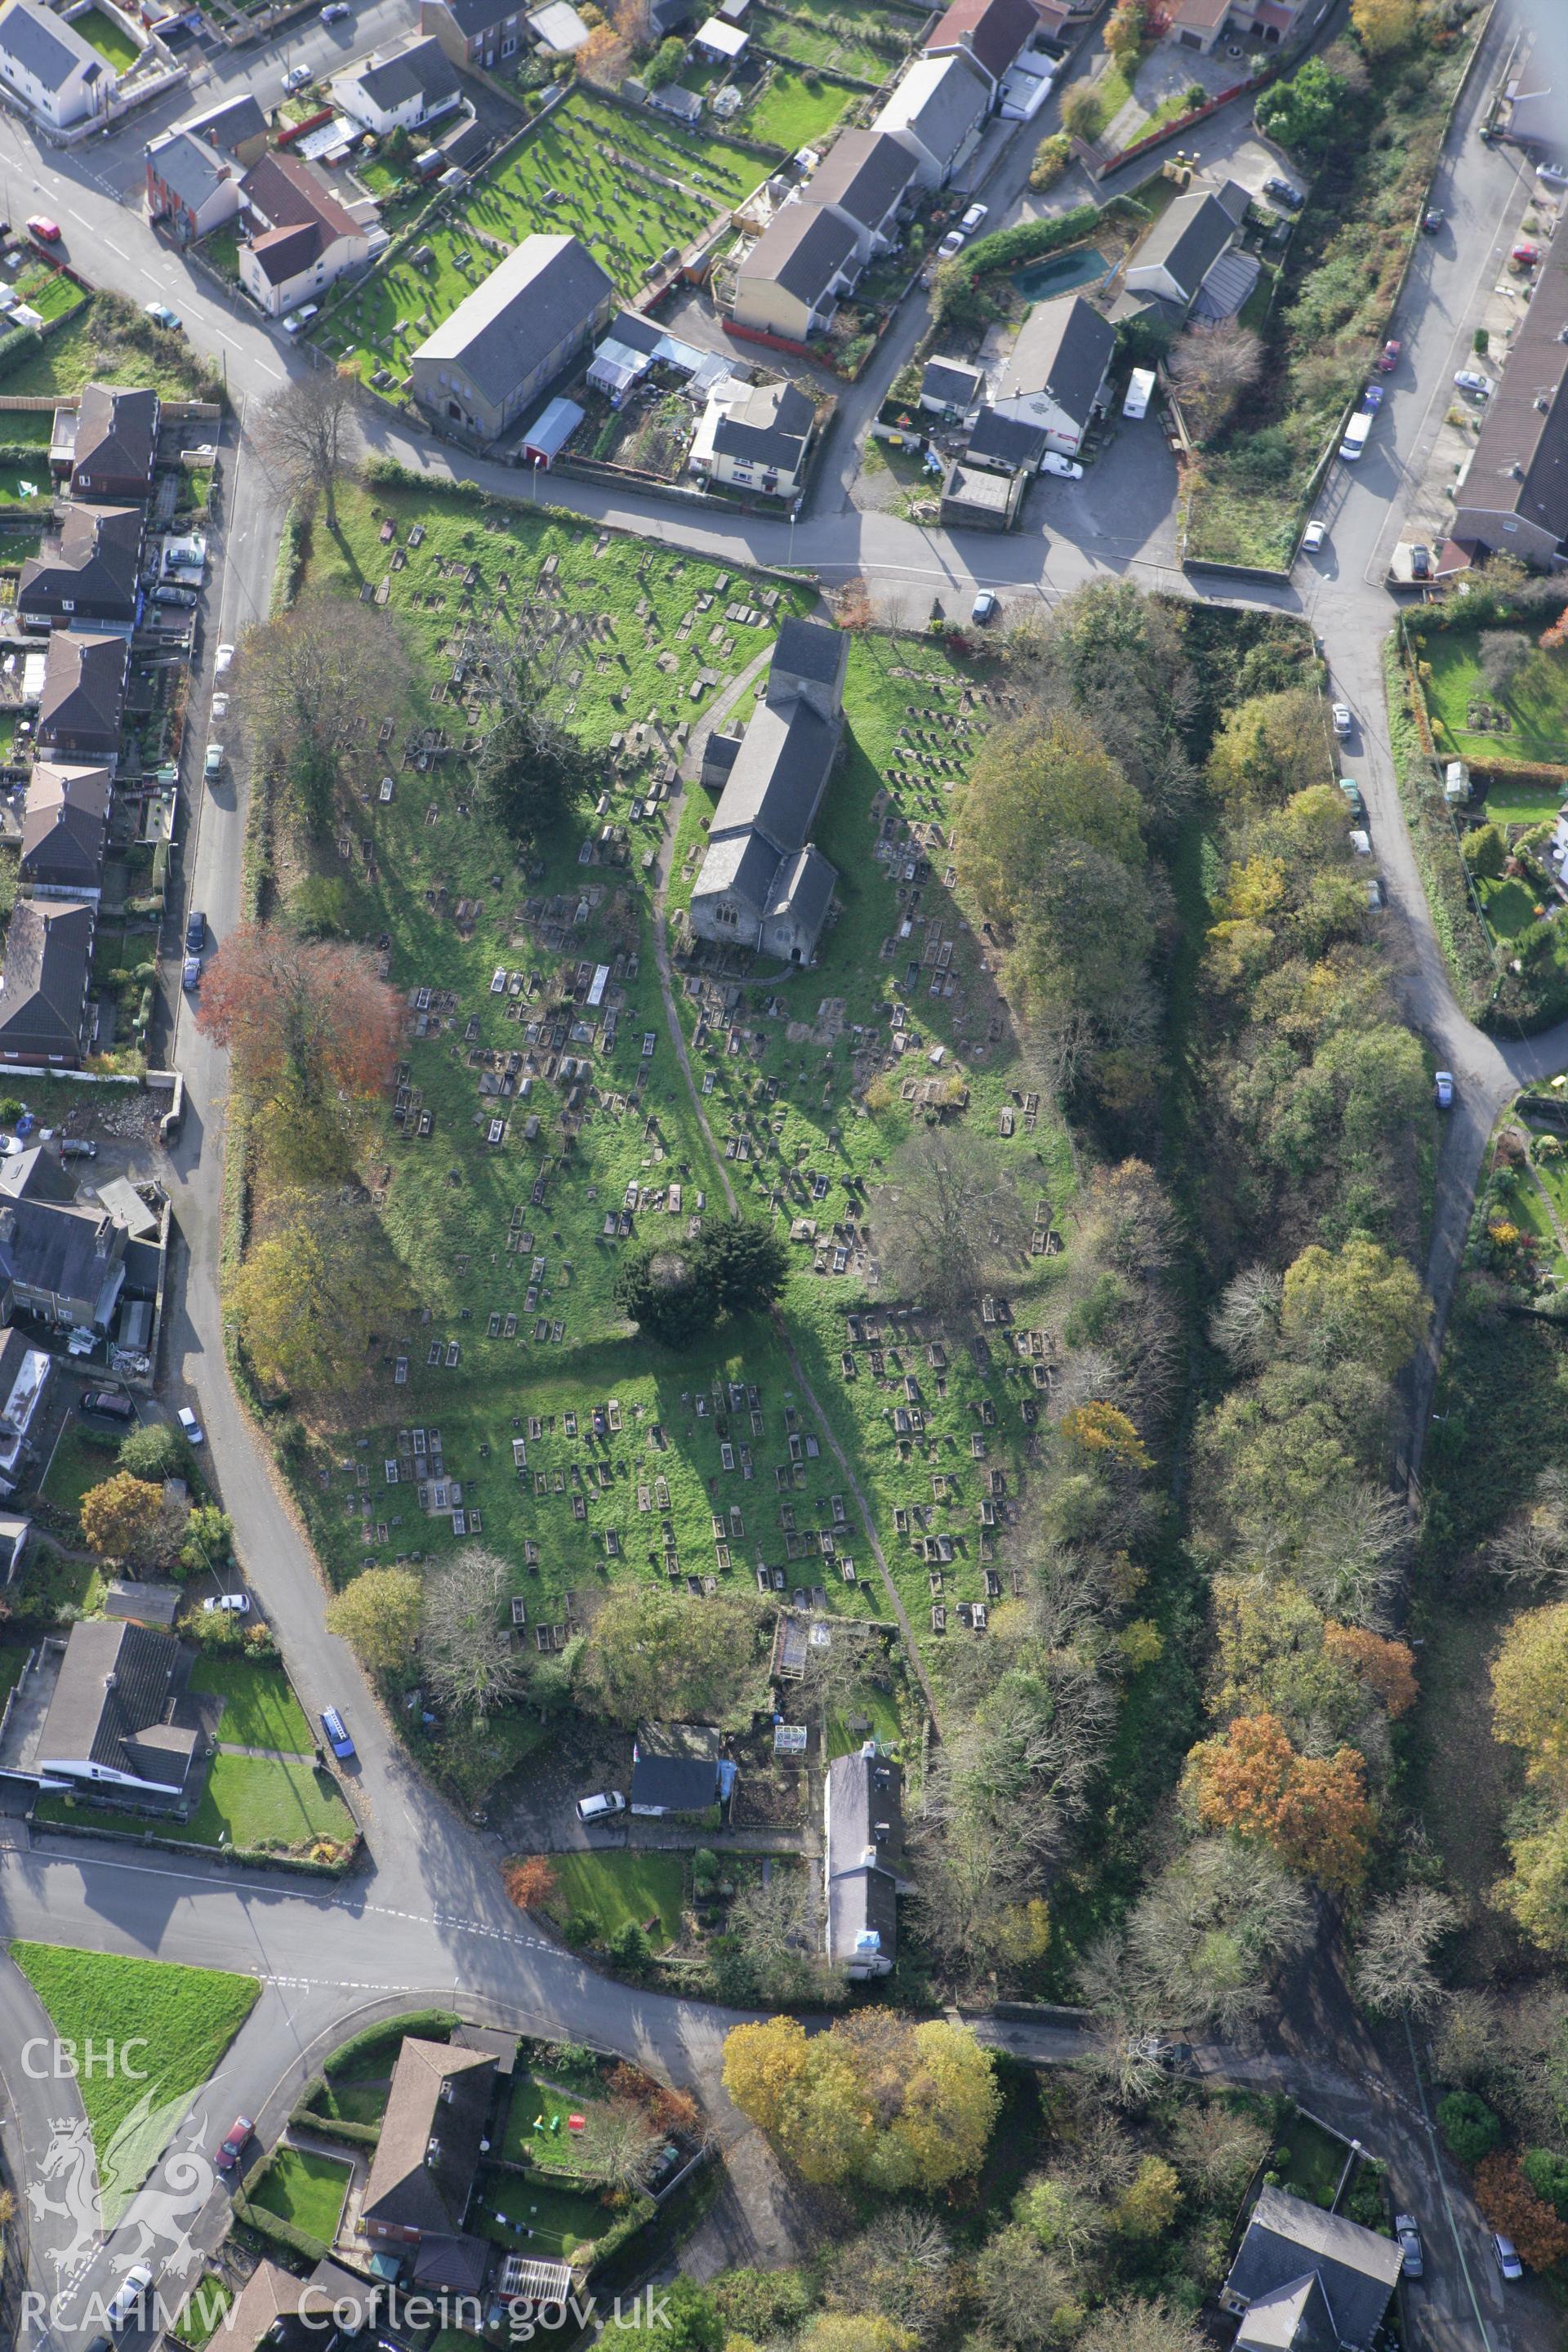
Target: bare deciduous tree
{"x": 1468, "y": 2046}
{"x": 308, "y": 681}
{"x": 1531, "y": 1546}
{"x": 1218, "y": 2147}
{"x": 1351, "y": 1554}
{"x": 309, "y": 434}
{"x": 1394, "y": 1970}
{"x": 954, "y": 1225}
{"x": 1211, "y": 367}
{"x": 623, "y": 2145}
{"x": 466, "y": 1650}
{"x": 1244, "y": 1325}
{"x": 1137, "y": 2324}
{"x": 773, "y": 1923}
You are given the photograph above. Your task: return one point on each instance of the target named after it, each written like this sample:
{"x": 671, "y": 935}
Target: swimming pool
{"x": 1059, "y": 273}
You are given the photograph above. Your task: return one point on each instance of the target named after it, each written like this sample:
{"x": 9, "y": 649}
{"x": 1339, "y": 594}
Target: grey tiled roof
{"x": 410, "y": 2186}
{"x": 530, "y": 303}
{"x": 43, "y": 980}
{"x": 188, "y": 166}
{"x": 865, "y": 173}
{"x": 1285, "y": 2238}
{"x": 778, "y": 777}
{"x": 771, "y": 429}
{"x": 803, "y": 249}
{"x": 419, "y": 67}
{"x": 45, "y": 45}
{"x": 1186, "y": 240}
{"x": 84, "y": 684}
{"x": 114, "y": 1683}
{"x": 1064, "y": 348}
{"x": 65, "y": 825}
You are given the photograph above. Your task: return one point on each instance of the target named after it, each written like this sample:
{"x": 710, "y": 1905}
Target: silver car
{"x": 1409, "y": 2238}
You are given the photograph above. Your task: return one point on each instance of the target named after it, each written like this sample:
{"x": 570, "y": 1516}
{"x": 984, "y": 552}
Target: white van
{"x": 1140, "y": 392}
{"x": 1357, "y": 433}
{"x": 297, "y": 320}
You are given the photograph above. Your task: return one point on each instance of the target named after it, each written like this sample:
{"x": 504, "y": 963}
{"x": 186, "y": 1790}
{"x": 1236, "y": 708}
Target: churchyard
{"x": 634, "y": 188}
{"x": 542, "y": 1120}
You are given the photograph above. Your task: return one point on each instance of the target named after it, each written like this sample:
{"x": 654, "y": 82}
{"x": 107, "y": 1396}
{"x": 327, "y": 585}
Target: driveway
{"x": 1124, "y": 509}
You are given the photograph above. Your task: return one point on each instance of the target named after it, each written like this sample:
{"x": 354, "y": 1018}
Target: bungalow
{"x": 487, "y": 362}
{"x": 58, "y": 74}
{"x": 84, "y": 700}
{"x": 190, "y": 185}
{"x": 991, "y": 34}
{"x": 938, "y": 112}
{"x": 89, "y": 572}
{"x": 679, "y": 1767}
{"x": 756, "y": 436}
{"x": 399, "y": 88}
{"x": 789, "y": 283}
{"x": 1186, "y": 242}
{"x": 111, "y": 1726}
{"x": 44, "y": 984}
{"x": 1055, "y": 375}
{"x": 1303, "y": 2278}
{"x": 422, "y": 2174}
{"x": 64, "y": 831}
{"x": 863, "y": 1863}
{"x": 115, "y": 445}
{"x": 302, "y": 238}
{"x": 864, "y": 180}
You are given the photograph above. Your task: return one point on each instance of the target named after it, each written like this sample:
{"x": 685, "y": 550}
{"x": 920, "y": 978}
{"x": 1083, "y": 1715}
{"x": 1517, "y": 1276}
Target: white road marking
{"x": 272, "y": 371}
{"x": 114, "y": 248}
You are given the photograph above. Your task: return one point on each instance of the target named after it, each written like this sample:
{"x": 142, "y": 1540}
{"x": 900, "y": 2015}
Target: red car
{"x": 1529, "y": 253}
{"x": 1388, "y": 358}
{"x": 234, "y": 2142}
{"x": 47, "y": 232}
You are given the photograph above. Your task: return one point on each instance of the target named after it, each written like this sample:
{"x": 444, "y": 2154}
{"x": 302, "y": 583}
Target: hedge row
{"x": 425, "y": 2024}
{"x": 1439, "y": 860}
{"x": 1009, "y": 249}
{"x": 332, "y": 2127}
{"x": 267, "y": 2224}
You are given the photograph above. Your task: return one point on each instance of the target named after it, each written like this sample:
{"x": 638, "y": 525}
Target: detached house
{"x": 494, "y": 355}
{"x": 762, "y": 884}
{"x": 64, "y": 831}
{"x": 864, "y": 180}
{"x": 110, "y": 1724}
{"x": 83, "y": 701}
{"x": 302, "y": 239}
{"x": 1186, "y": 242}
{"x": 938, "y": 112}
{"x": 400, "y": 89}
{"x": 89, "y": 573}
{"x": 789, "y": 284}
{"x": 756, "y": 436}
{"x": 863, "y": 1862}
{"x": 57, "y": 73}
{"x": 422, "y": 2174}
{"x": 1055, "y": 375}
{"x": 44, "y": 984}
{"x": 1307, "y": 2281}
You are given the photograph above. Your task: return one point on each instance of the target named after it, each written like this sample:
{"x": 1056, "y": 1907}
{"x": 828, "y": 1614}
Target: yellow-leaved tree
{"x": 874, "y": 2099}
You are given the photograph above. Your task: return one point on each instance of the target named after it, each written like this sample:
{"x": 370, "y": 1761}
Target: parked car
{"x": 191, "y": 974}
{"x": 110, "y": 1402}
{"x": 161, "y": 316}
{"x": 1472, "y": 380}
{"x": 169, "y": 595}
{"x": 1376, "y": 896}
{"x": 298, "y": 78}
{"x": 195, "y": 1434}
{"x": 1443, "y": 1089}
{"x": 1409, "y": 2238}
{"x": 297, "y": 320}
{"x": 1554, "y": 174}
{"x": 338, "y": 1739}
{"x": 228, "y": 1604}
{"x": 234, "y": 2144}
{"x": 1421, "y": 563}
{"x": 1052, "y": 464}
{"x": 212, "y": 766}
{"x": 47, "y": 232}
{"x": 602, "y": 1808}
{"x": 1313, "y": 538}
{"x": 1339, "y": 712}
{"x": 973, "y": 218}
{"x": 1433, "y": 221}
{"x": 335, "y": 11}
{"x": 1371, "y": 399}
{"x": 950, "y": 245}
{"x": 222, "y": 660}
{"x": 76, "y": 1146}
{"x": 1353, "y": 801}
{"x": 1282, "y": 190}
{"x": 123, "y": 2302}
{"x": 1507, "y": 2261}
{"x": 196, "y": 931}
{"x": 1388, "y": 358}
{"x": 220, "y": 708}
{"x": 1526, "y": 253}
{"x": 984, "y": 608}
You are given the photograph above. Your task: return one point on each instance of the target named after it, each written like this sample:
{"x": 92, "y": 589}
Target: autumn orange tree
{"x": 1387, "y": 1668}
{"x": 125, "y": 1519}
{"x": 311, "y": 1026}
{"x": 1508, "y": 2202}
{"x": 531, "y": 1882}
{"x": 1312, "y": 1811}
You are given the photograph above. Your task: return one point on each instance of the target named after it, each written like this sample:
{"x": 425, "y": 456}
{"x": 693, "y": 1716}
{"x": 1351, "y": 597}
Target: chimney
{"x": 101, "y": 1234}
{"x": 7, "y": 1221}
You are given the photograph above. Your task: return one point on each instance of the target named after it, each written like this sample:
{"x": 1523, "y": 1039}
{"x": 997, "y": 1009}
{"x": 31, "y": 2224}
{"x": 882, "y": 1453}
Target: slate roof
{"x": 804, "y": 887}
{"x": 1292, "y": 2318}
{"x": 405, "y": 2190}
{"x": 939, "y": 102}
{"x": 995, "y": 30}
{"x": 1064, "y": 348}
{"x": 866, "y": 1811}
{"x": 1006, "y": 442}
{"x": 292, "y": 2314}
{"x": 116, "y": 433}
{"x": 285, "y": 192}
{"x": 50, "y": 1241}
{"x": 94, "y": 560}
{"x": 770, "y": 428}
{"x": 418, "y": 67}
{"x": 867, "y": 1901}
{"x": 742, "y": 866}
{"x": 114, "y": 1685}
{"x": 229, "y": 125}
{"x": 779, "y": 775}
{"x": 1187, "y": 240}
{"x": 952, "y": 381}
{"x": 84, "y": 684}
{"x": 188, "y": 166}
{"x": 45, "y": 45}
{"x": 472, "y": 16}
{"x": 65, "y": 825}
{"x": 811, "y": 650}
{"x": 48, "y": 942}
{"x": 1286, "y": 2238}
{"x": 803, "y": 249}
{"x": 530, "y": 303}
{"x": 678, "y": 1784}
{"x": 1520, "y": 461}
{"x": 865, "y": 173}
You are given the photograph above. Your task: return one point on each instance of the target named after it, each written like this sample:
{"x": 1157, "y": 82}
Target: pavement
{"x": 428, "y": 1919}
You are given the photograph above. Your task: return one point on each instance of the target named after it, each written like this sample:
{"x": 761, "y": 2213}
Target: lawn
{"x": 1535, "y": 701}
{"x": 69, "y": 1584}
{"x": 537, "y": 2131}
{"x": 629, "y": 186}
{"x": 794, "y": 110}
{"x": 170, "y": 2024}
{"x": 617, "y": 1887}
{"x": 47, "y": 291}
{"x": 1510, "y": 907}
{"x": 108, "y": 339}
{"x": 84, "y": 1458}
{"x": 254, "y": 1801}
{"x": 202, "y": 2310}
{"x": 110, "y": 39}
{"x": 528, "y": 2218}
{"x": 305, "y": 2188}
{"x": 259, "y": 1710}
{"x": 820, "y": 45}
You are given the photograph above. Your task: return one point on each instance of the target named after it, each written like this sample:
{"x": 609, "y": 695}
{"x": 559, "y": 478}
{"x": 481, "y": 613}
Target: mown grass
{"x": 259, "y": 1710}
{"x": 536, "y": 2103}
{"x": 108, "y": 38}
{"x": 1535, "y": 699}
{"x": 271, "y": 1803}
{"x": 301, "y": 2186}
{"x": 795, "y": 110}
{"x": 818, "y": 45}
{"x": 83, "y": 1458}
{"x": 621, "y": 1888}
{"x": 529, "y": 2218}
{"x": 173, "y": 2023}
